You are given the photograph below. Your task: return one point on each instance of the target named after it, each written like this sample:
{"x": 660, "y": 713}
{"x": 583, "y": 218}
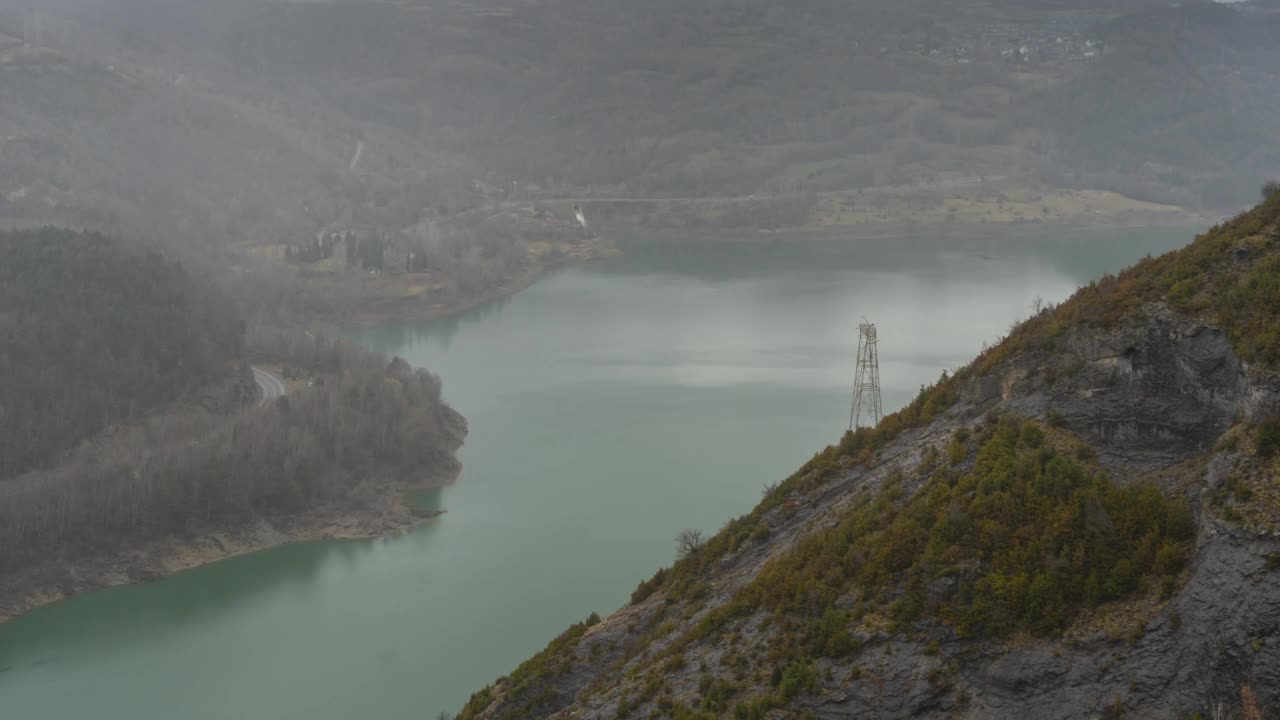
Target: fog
{"x": 228, "y": 227}
{"x": 254, "y": 109}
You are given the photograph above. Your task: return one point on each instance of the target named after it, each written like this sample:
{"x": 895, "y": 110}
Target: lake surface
{"x": 610, "y": 407}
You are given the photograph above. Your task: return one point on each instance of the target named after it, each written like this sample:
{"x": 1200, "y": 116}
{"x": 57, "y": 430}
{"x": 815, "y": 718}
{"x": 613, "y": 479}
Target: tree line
{"x": 107, "y": 436}
{"x": 366, "y": 426}
{"x": 97, "y": 333}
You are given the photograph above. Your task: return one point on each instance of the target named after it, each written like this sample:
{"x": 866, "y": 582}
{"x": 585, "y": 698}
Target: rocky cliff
{"x": 1156, "y": 389}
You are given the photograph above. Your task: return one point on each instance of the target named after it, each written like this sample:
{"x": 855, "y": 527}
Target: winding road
{"x": 272, "y": 386}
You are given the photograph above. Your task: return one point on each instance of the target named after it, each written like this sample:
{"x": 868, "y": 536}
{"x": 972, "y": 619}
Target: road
{"x": 272, "y": 386}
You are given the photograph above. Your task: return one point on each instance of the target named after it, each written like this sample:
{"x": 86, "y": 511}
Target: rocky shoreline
{"x": 388, "y": 513}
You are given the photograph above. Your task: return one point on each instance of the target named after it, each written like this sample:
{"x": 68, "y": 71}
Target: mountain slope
{"x": 242, "y": 182}
{"x": 737, "y": 97}
{"x": 1083, "y": 522}
{"x": 95, "y": 334}
{"x": 1187, "y": 90}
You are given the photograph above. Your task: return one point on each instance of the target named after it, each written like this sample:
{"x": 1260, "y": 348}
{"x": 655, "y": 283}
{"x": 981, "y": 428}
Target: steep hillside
{"x": 744, "y": 96}
{"x": 94, "y": 334}
{"x": 1084, "y": 522}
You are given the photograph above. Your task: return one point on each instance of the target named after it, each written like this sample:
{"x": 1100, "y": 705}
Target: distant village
{"x": 1057, "y": 42}
{"x": 424, "y": 248}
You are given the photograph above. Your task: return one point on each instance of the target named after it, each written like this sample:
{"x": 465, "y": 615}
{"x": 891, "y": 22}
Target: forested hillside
{"x": 130, "y": 432}
{"x": 365, "y": 431}
{"x": 1185, "y": 98}
{"x": 241, "y": 179}
{"x": 747, "y": 96}
{"x": 1081, "y": 523}
{"x": 97, "y": 333}
{"x": 450, "y": 141}
{"x": 261, "y": 121}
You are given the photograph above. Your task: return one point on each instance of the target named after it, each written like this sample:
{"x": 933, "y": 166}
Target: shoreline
{"x": 387, "y": 514}
{"x": 32, "y": 588}
{"x": 411, "y": 310}
{"x": 869, "y": 232}
{"x": 380, "y": 510}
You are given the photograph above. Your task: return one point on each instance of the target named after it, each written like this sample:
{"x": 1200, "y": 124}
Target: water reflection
{"x": 442, "y": 330}
{"x": 428, "y": 499}
{"x": 111, "y": 621}
{"x": 1078, "y": 251}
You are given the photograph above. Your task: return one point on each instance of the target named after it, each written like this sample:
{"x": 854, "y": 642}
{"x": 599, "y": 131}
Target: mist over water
{"x": 610, "y": 406}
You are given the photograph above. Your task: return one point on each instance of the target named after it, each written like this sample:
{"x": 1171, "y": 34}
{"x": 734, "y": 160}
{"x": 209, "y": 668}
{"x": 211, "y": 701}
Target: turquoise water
{"x": 610, "y": 406}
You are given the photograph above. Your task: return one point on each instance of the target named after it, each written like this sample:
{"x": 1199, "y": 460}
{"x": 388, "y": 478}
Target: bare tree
{"x": 1249, "y": 704}
{"x": 688, "y": 542}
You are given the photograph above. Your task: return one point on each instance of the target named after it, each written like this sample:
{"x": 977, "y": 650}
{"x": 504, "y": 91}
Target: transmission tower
{"x": 866, "y": 382}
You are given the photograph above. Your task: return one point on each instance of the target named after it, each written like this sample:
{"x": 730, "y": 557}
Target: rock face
{"x": 1147, "y": 396}
{"x": 1219, "y": 634}
{"x": 1151, "y": 392}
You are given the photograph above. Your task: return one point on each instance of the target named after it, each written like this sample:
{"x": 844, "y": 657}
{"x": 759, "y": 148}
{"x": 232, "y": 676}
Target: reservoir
{"x": 610, "y": 406}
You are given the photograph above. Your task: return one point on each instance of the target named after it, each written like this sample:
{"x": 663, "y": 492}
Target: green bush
{"x": 797, "y": 678}
{"x": 1269, "y": 438}
{"x": 1028, "y": 538}
{"x": 755, "y": 709}
{"x": 649, "y": 587}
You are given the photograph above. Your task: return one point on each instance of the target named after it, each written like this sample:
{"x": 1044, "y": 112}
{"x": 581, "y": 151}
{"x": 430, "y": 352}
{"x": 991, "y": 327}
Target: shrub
{"x": 1038, "y": 535}
{"x": 1269, "y": 438}
{"x": 1202, "y": 278}
{"x": 649, "y": 587}
{"x": 797, "y": 678}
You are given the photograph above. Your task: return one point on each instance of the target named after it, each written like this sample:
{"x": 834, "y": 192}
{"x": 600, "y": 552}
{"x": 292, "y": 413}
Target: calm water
{"x": 610, "y": 407}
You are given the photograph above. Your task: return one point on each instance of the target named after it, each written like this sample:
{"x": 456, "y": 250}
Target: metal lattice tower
{"x": 866, "y": 382}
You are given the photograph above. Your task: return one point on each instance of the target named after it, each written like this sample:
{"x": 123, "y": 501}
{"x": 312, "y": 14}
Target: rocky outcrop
{"x": 1217, "y": 635}
{"x": 1147, "y": 393}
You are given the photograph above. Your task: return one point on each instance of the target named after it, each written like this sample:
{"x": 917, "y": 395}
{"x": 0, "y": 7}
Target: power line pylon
{"x": 866, "y": 382}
